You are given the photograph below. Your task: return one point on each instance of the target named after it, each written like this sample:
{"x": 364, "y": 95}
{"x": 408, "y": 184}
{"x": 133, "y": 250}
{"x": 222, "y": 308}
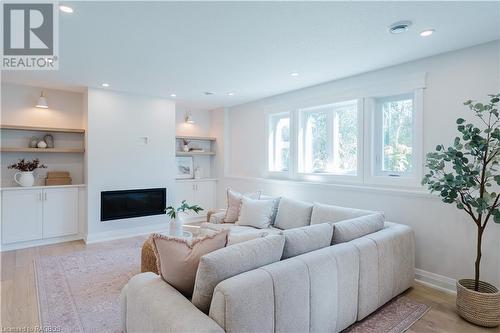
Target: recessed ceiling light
{"x": 66, "y": 9}
{"x": 173, "y": 95}
{"x": 230, "y": 94}
{"x": 208, "y": 93}
{"x": 400, "y": 27}
{"x": 427, "y": 33}
{"x": 294, "y": 74}
{"x": 106, "y": 85}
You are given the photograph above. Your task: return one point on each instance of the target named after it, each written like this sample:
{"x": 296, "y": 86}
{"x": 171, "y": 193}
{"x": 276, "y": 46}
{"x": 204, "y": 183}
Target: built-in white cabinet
{"x": 39, "y": 213}
{"x": 198, "y": 191}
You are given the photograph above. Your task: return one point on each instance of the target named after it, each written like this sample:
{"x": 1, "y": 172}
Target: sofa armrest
{"x": 149, "y": 304}
{"x": 216, "y": 216}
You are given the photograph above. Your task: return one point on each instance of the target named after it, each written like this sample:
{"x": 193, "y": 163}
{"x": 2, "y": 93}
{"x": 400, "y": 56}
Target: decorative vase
{"x": 175, "y": 227}
{"x": 480, "y": 307}
{"x": 24, "y": 178}
{"x": 42, "y": 144}
{"x": 185, "y": 148}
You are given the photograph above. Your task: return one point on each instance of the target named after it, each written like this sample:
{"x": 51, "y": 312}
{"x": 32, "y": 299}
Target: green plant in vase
{"x": 467, "y": 174}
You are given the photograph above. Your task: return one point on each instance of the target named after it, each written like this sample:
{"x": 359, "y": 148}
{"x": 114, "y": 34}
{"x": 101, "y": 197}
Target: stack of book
{"x": 58, "y": 178}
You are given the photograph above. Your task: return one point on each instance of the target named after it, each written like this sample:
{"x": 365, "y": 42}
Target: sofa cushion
{"x": 347, "y": 230}
{"x": 275, "y": 207}
{"x": 306, "y": 239}
{"x": 234, "y": 204}
{"x": 239, "y": 229}
{"x": 220, "y": 265}
{"x": 244, "y": 237}
{"x": 177, "y": 258}
{"x": 255, "y": 213}
{"x": 293, "y": 214}
{"x": 322, "y": 213}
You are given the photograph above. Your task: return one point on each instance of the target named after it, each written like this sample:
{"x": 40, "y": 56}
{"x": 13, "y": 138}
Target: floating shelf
{"x": 194, "y": 153}
{"x": 199, "y": 138}
{"x": 42, "y": 129}
{"x": 41, "y": 150}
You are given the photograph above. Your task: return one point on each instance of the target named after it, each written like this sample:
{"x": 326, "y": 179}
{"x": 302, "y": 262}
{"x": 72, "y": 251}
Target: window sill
{"x": 365, "y": 188}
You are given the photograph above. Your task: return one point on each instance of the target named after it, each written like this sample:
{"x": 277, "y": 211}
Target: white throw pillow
{"x": 234, "y": 204}
{"x": 293, "y": 214}
{"x": 255, "y": 213}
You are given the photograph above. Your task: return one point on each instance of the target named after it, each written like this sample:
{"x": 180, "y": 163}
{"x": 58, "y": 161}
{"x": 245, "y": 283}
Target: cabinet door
{"x": 60, "y": 212}
{"x": 21, "y": 215}
{"x": 205, "y": 196}
{"x": 184, "y": 190}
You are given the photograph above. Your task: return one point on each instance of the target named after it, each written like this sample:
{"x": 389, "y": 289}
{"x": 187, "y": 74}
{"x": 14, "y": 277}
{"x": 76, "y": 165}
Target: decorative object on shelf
{"x": 188, "y": 118}
{"x": 49, "y": 140}
{"x": 466, "y": 175}
{"x": 197, "y": 150}
{"x": 41, "y": 144}
{"x": 198, "y": 172}
{"x": 58, "y": 178}
{"x": 175, "y": 214}
{"x": 34, "y": 142}
{"x": 185, "y": 145}
{"x": 184, "y": 167}
{"x": 42, "y": 102}
{"x": 24, "y": 175}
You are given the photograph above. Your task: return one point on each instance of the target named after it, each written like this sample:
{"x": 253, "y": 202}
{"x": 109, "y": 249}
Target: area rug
{"x": 394, "y": 317}
{"x": 80, "y": 292}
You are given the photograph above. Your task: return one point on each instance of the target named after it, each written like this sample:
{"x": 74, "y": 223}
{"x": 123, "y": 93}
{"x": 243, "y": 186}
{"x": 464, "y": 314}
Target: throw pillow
{"x": 306, "y": 239}
{"x": 276, "y": 205}
{"x": 293, "y": 214}
{"x": 230, "y": 261}
{"x": 234, "y": 204}
{"x": 322, "y": 213}
{"x": 178, "y": 258}
{"x": 347, "y": 230}
{"x": 255, "y": 213}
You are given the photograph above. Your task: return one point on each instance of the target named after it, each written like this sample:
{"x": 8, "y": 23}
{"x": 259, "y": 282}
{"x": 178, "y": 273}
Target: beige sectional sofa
{"x": 247, "y": 288}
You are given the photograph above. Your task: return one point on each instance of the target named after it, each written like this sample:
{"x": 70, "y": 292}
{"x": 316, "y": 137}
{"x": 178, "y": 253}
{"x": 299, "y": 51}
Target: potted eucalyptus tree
{"x": 467, "y": 174}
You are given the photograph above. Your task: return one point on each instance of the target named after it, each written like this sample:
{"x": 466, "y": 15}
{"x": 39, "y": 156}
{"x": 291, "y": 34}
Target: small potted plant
{"x": 466, "y": 174}
{"x": 175, "y": 215}
{"x": 24, "y": 175}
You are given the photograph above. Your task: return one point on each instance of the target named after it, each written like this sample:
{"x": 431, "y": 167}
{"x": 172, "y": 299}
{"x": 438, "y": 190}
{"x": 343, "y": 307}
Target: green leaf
{"x": 460, "y": 121}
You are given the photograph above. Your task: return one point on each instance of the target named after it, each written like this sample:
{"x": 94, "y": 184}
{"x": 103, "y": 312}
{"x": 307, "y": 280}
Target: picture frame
{"x": 185, "y": 168}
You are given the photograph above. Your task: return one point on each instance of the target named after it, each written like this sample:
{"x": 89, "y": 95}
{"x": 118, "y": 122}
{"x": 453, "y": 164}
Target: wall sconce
{"x": 188, "y": 118}
{"x": 42, "y": 102}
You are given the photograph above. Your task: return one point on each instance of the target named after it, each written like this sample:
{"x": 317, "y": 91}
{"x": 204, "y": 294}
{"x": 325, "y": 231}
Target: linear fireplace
{"x": 132, "y": 203}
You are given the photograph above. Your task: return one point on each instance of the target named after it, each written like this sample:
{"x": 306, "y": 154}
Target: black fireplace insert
{"x": 132, "y": 203}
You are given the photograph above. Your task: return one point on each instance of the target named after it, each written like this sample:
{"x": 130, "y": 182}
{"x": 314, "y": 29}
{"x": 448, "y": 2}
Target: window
{"x": 328, "y": 139}
{"x": 394, "y": 136}
{"x": 279, "y": 142}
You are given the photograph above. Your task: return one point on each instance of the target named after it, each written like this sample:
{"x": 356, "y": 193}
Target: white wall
{"x": 117, "y": 159}
{"x": 445, "y": 236}
{"x": 65, "y": 110}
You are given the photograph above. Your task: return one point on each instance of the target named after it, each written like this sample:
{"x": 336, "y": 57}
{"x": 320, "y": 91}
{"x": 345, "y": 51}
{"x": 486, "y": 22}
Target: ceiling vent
{"x": 208, "y": 93}
{"x": 400, "y": 27}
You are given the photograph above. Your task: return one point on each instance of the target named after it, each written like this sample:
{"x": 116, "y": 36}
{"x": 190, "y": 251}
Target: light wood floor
{"x": 19, "y": 301}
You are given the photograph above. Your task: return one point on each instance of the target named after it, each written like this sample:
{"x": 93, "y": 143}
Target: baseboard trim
{"x": 124, "y": 233}
{"x": 39, "y": 242}
{"x": 436, "y": 281}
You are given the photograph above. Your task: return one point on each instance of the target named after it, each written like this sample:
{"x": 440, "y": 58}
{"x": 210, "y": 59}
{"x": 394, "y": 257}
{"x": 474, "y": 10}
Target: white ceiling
{"x": 248, "y": 48}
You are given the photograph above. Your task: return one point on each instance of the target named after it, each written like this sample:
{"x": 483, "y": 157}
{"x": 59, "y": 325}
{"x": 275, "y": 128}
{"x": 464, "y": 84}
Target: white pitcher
{"x": 24, "y": 178}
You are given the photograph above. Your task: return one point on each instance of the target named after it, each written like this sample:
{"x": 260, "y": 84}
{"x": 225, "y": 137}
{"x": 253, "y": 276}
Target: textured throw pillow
{"x": 230, "y": 261}
{"x": 306, "y": 239}
{"x": 322, "y": 213}
{"x": 255, "y": 213}
{"x": 234, "y": 204}
{"x": 177, "y": 258}
{"x": 347, "y": 230}
{"x": 276, "y": 205}
{"x": 244, "y": 237}
{"x": 293, "y": 214}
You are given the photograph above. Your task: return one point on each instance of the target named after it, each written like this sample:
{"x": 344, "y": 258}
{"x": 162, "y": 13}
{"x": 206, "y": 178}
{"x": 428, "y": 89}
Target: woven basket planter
{"x": 478, "y": 307}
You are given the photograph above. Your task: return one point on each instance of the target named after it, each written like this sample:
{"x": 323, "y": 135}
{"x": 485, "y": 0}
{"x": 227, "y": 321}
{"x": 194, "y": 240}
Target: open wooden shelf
{"x": 194, "y": 153}
{"x": 41, "y": 150}
{"x": 42, "y": 129}
{"x": 199, "y": 138}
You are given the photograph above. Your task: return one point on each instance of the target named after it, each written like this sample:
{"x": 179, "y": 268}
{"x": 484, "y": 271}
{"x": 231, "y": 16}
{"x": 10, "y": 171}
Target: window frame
{"x": 272, "y": 121}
